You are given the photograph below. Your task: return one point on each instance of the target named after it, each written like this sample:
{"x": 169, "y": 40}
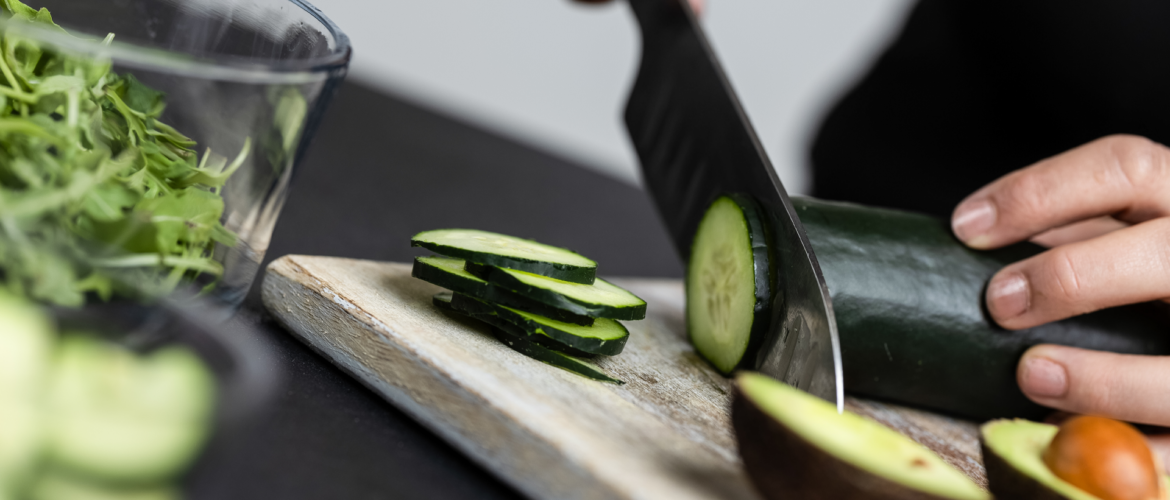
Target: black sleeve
{"x": 971, "y": 90}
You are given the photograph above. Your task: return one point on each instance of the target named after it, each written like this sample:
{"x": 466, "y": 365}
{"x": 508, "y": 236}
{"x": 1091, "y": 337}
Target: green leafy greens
{"x": 95, "y": 191}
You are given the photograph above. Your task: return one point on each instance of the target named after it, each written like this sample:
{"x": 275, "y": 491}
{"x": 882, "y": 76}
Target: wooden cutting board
{"x": 666, "y": 433}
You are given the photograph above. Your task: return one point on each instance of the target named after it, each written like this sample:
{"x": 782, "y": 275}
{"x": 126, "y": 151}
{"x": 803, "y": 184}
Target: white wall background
{"x": 555, "y": 74}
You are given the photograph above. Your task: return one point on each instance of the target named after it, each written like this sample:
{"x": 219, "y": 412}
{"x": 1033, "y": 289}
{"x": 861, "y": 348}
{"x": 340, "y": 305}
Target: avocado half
{"x": 1013, "y": 454}
{"x": 795, "y": 445}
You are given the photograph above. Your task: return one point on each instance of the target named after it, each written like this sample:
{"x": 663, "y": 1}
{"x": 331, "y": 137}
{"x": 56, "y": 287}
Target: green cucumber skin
{"x": 765, "y": 272}
{"x": 491, "y": 293}
{"x": 551, "y": 357}
{"x": 563, "y": 272}
{"x": 475, "y": 307}
{"x": 908, "y": 299}
{"x": 496, "y": 276}
{"x": 443, "y": 302}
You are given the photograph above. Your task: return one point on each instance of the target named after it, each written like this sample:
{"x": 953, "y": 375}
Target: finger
{"x": 1121, "y": 386}
{"x": 1126, "y": 266}
{"x": 1124, "y": 176}
{"x": 1078, "y": 231}
{"x": 1161, "y": 447}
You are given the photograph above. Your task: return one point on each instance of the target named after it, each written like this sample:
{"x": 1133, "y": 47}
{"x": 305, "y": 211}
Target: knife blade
{"x": 695, "y": 143}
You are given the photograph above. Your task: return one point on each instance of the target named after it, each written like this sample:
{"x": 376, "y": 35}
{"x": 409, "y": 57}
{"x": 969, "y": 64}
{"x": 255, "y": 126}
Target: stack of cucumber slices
{"x": 542, "y": 301}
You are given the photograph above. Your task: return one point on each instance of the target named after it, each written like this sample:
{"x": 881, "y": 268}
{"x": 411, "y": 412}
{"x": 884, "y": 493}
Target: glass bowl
{"x": 247, "y": 81}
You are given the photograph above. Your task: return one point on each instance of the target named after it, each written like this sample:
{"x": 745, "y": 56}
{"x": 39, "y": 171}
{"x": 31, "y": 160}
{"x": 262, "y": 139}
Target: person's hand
{"x": 696, "y": 5}
{"x": 1104, "y": 209}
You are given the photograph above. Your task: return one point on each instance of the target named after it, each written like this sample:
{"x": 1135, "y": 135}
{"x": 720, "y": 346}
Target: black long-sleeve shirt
{"x": 971, "y": 90}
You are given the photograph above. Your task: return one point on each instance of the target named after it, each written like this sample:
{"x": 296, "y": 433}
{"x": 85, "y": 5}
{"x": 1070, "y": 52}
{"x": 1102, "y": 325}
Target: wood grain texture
{"x": 666, "y": 433}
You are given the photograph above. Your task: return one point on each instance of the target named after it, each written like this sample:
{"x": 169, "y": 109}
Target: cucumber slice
{"x": 606, "y": 336}
{"x": 728, "y": 284}
{"x": 122, "y": 417}
{"x": 508, "y": 251}
{"x": 58, "y": 486}
{"x": 21, "y": 430}
{"x": 26, "y": 344}
{"x": 560, "y": 360}
{"x": 602, "y": 299}
{"x": 449, "y": 273}
{"x": 442, "y": 300}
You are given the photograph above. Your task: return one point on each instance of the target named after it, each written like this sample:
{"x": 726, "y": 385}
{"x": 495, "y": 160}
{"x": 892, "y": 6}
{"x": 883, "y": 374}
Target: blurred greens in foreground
{"x": 82, "y": 418}
{"x": 95, "y": 191}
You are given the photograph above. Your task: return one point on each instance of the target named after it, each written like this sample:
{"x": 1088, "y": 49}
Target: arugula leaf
{"x": 95, "y": 191}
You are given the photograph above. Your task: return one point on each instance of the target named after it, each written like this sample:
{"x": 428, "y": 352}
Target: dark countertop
{"x": 380, "y": 170}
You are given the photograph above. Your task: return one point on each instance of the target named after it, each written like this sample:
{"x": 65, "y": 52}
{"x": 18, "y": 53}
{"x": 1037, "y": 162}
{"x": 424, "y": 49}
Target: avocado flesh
{"x": 803, "y": 448}
{"x": 1013, "y": 453}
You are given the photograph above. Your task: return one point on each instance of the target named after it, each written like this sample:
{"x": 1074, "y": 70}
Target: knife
{"x": 695, "y": 143}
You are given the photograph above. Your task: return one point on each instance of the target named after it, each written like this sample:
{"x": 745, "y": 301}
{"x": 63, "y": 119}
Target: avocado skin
{"x": 784, "y": 466}
{"x": 908, "y": 300}
{"x": 1008, "y": 483}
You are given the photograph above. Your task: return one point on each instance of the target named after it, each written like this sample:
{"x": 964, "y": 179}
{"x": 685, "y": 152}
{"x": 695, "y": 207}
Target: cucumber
{"x": 908, "y": 299}
{"x": 449, "y": 273}
{"x": 54, "y": 485}
{"x": 26, "y": 344}
{"x": 21, "y": 431}
{"x": 560, "y": 360}
{"x": 602, "y": 299}
{"x": 728, "y": 283}
{"x": 494, "y": 249}
{"x": 606, "y": 336}
{"x": 442, "y": 300}
{"x": 121, "y": 417}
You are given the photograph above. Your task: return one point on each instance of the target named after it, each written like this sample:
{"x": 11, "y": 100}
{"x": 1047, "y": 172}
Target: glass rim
{"x": 229, "y": 68}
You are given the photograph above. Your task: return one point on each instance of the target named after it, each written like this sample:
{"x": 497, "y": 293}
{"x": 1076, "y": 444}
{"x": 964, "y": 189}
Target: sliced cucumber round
{"x": 728, "y": 283}
{"x": 56, "y": 485}
{"x": 21, "y": 429}
{"x": 449, "y": 273}
{"x": 602, "y": 299}
{"x": 122, "y": 417}
{"x": 508, "y": 251}
{"x": 26, "y": 345}
{"x": 522, "y": 345}
{"x": 606, "y": 337}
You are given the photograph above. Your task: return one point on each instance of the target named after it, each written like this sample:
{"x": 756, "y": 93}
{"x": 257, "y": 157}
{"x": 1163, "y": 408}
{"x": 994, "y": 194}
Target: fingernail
{"x": 1043, "y": 377}
{"x": 972, "y": 221}
{"x": 1007, "y": 296}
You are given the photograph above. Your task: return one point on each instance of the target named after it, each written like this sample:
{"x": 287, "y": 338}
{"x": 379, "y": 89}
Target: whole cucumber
{"x": 908, "y": 299}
